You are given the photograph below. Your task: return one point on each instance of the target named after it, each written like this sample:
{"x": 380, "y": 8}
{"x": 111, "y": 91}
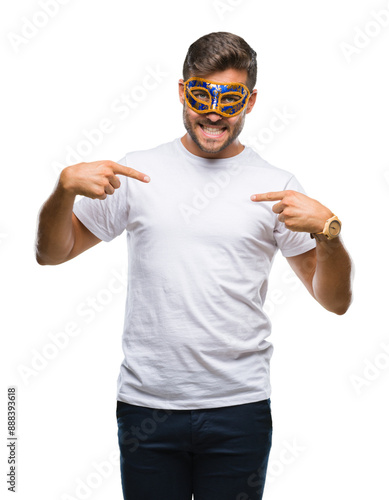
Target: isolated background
{"x": 329, "y": 373}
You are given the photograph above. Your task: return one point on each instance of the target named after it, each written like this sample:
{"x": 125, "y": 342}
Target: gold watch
{"x": 331, "y": 229}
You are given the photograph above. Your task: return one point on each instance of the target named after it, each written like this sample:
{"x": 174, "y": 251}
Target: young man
{"x": 193, "y": 406}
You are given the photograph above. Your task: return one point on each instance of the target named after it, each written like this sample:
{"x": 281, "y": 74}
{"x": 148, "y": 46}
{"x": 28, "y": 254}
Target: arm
{"x": 60, "y": 235}
{"x": 326, "y": 271}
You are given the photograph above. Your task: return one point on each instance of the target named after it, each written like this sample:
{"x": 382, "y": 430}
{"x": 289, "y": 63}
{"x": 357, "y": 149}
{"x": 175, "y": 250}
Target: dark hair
{"x": 218, "y": 52}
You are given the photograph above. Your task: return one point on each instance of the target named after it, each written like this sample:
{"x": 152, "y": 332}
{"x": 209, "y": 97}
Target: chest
{"x": 204, "y": 211}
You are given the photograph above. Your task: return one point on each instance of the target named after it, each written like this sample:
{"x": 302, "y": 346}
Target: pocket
{"x": 270, "y": 414}
{"x": 263, "y": 408}
{"x": 121, "y": 408}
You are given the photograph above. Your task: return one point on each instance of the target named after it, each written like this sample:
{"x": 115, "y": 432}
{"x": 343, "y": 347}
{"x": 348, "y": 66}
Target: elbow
{"x": 45, "y": 256}
{"x": 40, "y": 256}
{"x": 337, "y": 305}
{"x": 40, "y": 259}
{"x": 342, "y": 308}
{"x": 44, "y": 260}
{"x": 341, "y": 311}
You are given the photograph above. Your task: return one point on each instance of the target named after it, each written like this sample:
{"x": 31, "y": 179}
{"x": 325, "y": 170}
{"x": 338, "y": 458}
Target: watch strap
{"x": 325, "y": 234}
{"x": 319, "y": 236}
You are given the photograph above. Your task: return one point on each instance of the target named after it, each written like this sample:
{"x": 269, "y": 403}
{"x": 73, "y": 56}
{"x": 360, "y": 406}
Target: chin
{"x": 210, "y": 146}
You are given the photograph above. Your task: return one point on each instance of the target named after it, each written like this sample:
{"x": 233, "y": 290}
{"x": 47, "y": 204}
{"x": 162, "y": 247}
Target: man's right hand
{"x": 60, "y": 235}
{"x": 96, "y": 179}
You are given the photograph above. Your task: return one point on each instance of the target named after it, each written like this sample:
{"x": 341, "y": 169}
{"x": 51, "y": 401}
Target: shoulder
{"x": 264, "y": 169}
{"x": 165, "y": 149}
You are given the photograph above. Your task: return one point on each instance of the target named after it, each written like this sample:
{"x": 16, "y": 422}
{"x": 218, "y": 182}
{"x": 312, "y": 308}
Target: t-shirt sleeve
{"x": 292, "y": 243}
{"x": 107, "y": 218}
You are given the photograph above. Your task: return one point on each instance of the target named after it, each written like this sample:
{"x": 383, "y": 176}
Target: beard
{"x": 208, "y": 145}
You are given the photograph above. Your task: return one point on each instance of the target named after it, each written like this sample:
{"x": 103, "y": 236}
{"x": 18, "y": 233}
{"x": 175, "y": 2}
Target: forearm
{"x": 332, "y": 280}
{"x": 55, "y": 233}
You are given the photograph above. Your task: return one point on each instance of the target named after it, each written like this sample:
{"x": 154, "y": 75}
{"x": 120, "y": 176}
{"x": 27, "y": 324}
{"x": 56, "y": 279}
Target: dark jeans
{"x": 214, "y": 453}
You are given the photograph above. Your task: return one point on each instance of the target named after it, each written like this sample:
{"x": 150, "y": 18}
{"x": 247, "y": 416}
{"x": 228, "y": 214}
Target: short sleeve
{"x": 107, "y": 218}
{"x": 292, "y": 243}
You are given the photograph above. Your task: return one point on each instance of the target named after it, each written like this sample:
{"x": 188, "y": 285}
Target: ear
{"x": 181, "y": 90}
{"x": 252, "y": 100}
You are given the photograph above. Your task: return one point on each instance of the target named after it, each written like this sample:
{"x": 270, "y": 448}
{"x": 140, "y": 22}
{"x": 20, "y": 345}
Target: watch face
{"x": 334, "y": 228}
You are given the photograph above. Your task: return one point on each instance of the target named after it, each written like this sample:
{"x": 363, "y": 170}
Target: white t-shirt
{"x": 199, "y": 256}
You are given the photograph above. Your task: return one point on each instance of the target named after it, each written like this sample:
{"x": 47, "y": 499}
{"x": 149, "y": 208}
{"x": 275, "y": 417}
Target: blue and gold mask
{"x": 226, "y": 99}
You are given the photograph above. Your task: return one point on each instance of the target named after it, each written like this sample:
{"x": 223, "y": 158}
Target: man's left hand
{"x": 297, "y": 211}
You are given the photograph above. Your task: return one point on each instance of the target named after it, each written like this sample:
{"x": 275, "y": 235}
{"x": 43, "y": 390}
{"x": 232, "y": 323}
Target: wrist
{"x": 330, "y": 231}
{"x": 64, "y": 186}
{"x": 64, "y": 193}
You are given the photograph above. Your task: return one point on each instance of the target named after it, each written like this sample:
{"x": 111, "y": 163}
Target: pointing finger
{"x": 129, "y": 172}
{"x": 272, "y": 196}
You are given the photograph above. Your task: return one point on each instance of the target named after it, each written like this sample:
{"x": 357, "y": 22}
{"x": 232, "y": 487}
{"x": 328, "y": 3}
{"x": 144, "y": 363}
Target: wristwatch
{"x": 331, "y": 230}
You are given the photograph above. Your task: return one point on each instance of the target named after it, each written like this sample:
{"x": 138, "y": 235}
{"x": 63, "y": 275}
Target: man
{"x": 193, "y": 395}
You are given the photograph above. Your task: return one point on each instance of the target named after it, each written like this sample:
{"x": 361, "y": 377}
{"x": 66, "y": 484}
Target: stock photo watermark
{"x": 203, "y": 197}
{"x": 3, "y": 237}
{"x": 33, "y": 25}
{"x": 88, "y": 310}
{"x": 12, "y": 439}
{"x": 371, "y": 371}
{"x": 223, "y": 7}
{"x": 121, "y": 107}
{"x": 141, "y": 433}
{"x": 102, "y": 471}
{"x": 364, "y": 35}
{"x": 290, "y": 453}
{"x": 276, "y": 297}
{"x": 277, "y": 124}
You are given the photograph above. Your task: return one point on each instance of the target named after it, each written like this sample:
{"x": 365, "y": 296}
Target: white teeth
{"x": 212, "y": 131}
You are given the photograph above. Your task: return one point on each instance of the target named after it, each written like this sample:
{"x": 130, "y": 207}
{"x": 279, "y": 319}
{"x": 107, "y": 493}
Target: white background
{"x": 329, "y": 402}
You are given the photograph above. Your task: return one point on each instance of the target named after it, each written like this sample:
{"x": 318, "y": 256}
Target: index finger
{"x": 272, "y": 196}
{"x": 129, "y": 172}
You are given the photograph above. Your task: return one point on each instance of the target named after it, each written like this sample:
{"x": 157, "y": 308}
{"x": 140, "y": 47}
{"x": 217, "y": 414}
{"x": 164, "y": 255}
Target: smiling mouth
{"x": 212, "y": 131}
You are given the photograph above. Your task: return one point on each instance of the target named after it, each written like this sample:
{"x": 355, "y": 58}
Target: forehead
{"x": 226, "y": 76}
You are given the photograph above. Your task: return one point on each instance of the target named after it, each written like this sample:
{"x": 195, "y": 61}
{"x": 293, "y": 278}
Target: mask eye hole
{"x": 201, "y": 94}
{"x": 230, "y": 98}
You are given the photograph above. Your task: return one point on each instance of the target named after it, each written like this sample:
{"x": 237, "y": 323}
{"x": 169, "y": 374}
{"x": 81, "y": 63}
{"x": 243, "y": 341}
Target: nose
{"x": 213, "y": 117}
